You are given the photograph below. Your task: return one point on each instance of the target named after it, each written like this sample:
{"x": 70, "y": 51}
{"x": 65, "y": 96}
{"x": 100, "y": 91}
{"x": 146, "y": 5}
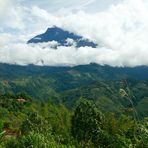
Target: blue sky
{"x": 119, "y": 26}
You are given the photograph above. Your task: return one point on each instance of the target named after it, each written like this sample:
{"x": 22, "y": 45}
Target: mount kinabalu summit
{"x": 63, "y": 38}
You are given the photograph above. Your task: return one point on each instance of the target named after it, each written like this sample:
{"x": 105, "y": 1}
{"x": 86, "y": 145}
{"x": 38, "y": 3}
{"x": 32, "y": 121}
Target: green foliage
{"x": 67, "y": 84}
{"x": 42, "y": 114}
{"x": 1, "y": 132}
{"x": 87, "y": 123}
{"x": 32, "y": 140}
{"x": 37, "y": 140}
{"x": 92, "y": 129}
{"x": 142, "y": 107}
{"x": 34, "y": 122}
{"x": 44, "y": 124}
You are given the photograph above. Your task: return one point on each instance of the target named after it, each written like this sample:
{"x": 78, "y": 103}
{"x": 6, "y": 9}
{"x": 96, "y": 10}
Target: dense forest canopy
{"x": 94, "y": 106}
{"x": 110, "y": 87}
{"x": 28, "y": 123}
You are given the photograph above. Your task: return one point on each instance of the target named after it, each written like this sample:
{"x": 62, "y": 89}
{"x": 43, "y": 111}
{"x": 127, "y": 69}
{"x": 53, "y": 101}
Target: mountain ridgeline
{"x": 62, "y": 38}
{"x": 113, "y": 89}
{"x": 102, "y": 72}
{"x": 107, "y": 86}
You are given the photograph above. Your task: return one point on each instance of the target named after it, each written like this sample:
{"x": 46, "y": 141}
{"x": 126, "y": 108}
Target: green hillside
{"x": 27, "y": 123}
{"x": 73, "y": 107}
{"x": 67, "y": 85}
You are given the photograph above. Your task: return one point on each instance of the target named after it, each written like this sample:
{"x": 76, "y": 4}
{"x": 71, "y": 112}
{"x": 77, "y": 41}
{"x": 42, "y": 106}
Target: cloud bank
{"x": 121, "y": 31}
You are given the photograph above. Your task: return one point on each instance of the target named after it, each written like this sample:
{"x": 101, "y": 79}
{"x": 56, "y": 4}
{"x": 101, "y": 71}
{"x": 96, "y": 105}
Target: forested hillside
{"x": 27, "y": 123}
{"x": 111, "y": 88}
{"x": 85, "y": 106}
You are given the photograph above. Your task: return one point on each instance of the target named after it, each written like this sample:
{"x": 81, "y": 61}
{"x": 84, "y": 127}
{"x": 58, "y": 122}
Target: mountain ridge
{"x": 106, "y": 71}
{"x": 63, "y": 38}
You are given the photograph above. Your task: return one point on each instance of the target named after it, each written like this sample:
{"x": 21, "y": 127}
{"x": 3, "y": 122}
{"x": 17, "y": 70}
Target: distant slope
{"x": 97, "y": 71}
{"x": 68, "y": 84}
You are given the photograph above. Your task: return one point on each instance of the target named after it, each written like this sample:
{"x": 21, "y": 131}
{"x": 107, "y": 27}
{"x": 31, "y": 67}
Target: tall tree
{"x": 87, "y": 124}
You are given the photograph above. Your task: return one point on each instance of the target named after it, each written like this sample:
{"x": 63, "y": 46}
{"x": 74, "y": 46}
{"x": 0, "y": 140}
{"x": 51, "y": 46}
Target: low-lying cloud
{"x": 121, "y": 32}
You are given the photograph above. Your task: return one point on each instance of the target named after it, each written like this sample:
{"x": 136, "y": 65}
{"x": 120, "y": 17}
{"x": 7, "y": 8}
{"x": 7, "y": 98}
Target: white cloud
{"x": 10, "y": 15}
{"x": 121, "y": 31}
{"x": 4, "y": 5}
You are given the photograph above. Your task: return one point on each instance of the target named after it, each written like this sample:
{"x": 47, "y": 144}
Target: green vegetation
{"x": 26, "y": 123}
{"x": 110, "y": 96}
{"x": 51, "y": 111}
{"x": 66, "y": 85}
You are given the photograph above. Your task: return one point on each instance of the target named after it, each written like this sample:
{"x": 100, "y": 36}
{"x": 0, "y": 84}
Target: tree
{"x": 87, "y": 124}
{"x": 36, "y": 123}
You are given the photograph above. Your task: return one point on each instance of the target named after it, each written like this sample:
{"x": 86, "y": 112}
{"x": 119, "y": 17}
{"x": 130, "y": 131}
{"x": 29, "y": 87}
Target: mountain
{"x": 68, "y": 84}
{"x": 63, "y": 38}
{"x": 105, "y": 72}
{"x": 109, "y": 87}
